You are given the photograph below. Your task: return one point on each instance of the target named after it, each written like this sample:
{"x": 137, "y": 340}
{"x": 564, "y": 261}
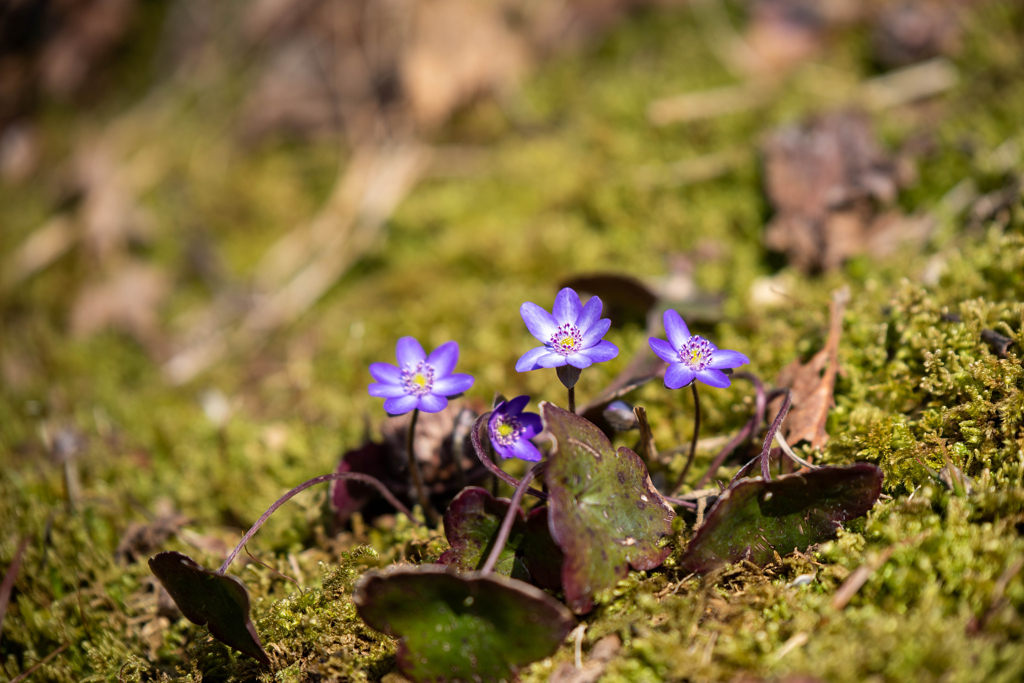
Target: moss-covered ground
{"x": 564, "y": 185}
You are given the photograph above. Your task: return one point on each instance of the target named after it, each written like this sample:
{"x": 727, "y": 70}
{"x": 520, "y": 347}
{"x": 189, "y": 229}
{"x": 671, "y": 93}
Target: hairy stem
{"x": 486, "y": 461}
{"x": 767, "y": 448}
{"x": 414, "y": 470}
{"x": 752, "y": 425}
{"x": 680, "y": 502}
{"x": 572, "y": 400}
{"x": 693, "y": 441}
{"x": 363, "y": 478}
{"x": 510, "y": 518}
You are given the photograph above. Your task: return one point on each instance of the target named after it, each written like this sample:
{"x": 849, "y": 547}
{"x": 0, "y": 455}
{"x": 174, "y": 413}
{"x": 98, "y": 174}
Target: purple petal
{"x": 603, "y": 351}
{"x": 594, "y": 334}
{"x": 528, "y": 361}
{"x": 384, "y": 390}
{"x": 589, "y": 315}
{"x": 401, "y": 405}
{"x": 431, "y": 403}
{"x": 678, "y": 376}
{"x": 551, "y": 360}
{"x": 409, "y": 352}
{"x": 524, "y": 450}
{"x": 532, "y": 424}
{"x": 722, "y": 359}
{"x": 386, "y": 372}
{"x": 538, "y": 321}
{"x": 444, "y": 358}
{"x": 663, "y": 350}
{"x": 714, "y": 378}
{"x": 515, "y": 406}
{"x": 578, "y": 360}
{"x": 567, "y": 307}
{"x": 675, "y": 329}
{"x": 452, "y": 384}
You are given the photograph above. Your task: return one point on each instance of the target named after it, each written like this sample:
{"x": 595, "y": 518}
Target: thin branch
{"x": 7, "y": 585}
{"x": 510, "y": 518}
{"x": 760, "y": 404}
{"x": 363, "y": 478}
{"x": 766, "y": 449}
{"x": 44, "y": 660}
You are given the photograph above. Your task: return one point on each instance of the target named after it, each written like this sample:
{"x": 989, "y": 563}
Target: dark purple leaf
{"x": 350, "y": 496}
{"x": 471, "y": 524}
{"x": 625, "y": 298}
{"x": 446, "y": 461}
{"x": 542, "y": 557}
{"x": 754, "y": 519}
{"x": 604, "y": 513}
{"x": 461, "y": 627}
{"x": 218, "y": 601}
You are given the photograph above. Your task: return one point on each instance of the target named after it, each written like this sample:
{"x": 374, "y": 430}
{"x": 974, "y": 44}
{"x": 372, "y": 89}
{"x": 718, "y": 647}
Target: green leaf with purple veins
{"x": 461, "y": 627}
{"x": 604, "y": 512}
{"x": 754, "y": 519}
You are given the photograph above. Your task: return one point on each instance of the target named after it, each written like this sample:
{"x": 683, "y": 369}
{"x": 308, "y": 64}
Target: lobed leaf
{"x": 754, "y": 519}
{"x": 461, "y": 627}
{"x": 471, "y": 524}
{"x": 604, "y": 512}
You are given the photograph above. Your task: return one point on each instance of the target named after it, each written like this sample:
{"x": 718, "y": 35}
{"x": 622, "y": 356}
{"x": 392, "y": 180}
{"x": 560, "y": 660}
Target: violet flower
{"x": 420, "y": 381}
{"x": 570, "y": 334}
{"x": 510, "y": 430}
{"x": 691, "y": 358}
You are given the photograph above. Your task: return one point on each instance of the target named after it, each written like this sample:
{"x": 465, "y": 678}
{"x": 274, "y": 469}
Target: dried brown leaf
{"x": 461, "y": 49}
{"x": 127, "y": 301}
{"x": 826, "y": 181}
{"x": 813, "y": 382}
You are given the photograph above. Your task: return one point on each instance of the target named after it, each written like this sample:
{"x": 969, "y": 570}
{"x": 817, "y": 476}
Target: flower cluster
{"x": 571, "y": 335}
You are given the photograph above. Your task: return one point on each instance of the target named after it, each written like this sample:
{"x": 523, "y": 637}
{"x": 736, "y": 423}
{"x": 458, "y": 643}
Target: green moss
{"x": 574, "y": 180}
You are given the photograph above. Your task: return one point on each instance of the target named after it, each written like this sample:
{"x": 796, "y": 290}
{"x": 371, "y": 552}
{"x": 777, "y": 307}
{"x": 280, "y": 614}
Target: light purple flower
{"x": 571, "y": 334}
{"x": 511, "y": 429}
{"x": 419, "y": 381}
{"x": 691, "y": 358}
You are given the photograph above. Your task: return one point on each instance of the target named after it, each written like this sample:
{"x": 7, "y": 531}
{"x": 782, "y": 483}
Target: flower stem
{"x": 510, "y": 518}
{"x": 693, "y": 441}
{"x": 363, "y": 478}
{"x": 767, "y": 448}
{"x": 414, "y": 470}
{"x": 572, "y": 400}
{"x": 752, "y": 425}
{"x": 486, "y": 461}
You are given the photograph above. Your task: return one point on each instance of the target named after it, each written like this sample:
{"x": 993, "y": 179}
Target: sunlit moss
{"x": 566, "y": 187}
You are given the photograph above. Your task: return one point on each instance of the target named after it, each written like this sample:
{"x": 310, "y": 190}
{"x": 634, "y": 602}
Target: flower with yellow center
{"x": 510, "y": 430}
{"x": 419, "y": 381}
{"x": 692, "y": 357}
{"x": 571, "y": 334}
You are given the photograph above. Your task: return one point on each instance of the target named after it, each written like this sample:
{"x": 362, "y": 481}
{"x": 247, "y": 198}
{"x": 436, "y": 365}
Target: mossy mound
{"x": 570, "y": 178}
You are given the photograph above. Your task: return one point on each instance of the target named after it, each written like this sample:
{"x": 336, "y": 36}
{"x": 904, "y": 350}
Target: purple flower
{"x": 511, "y": 429}
{"x": 419, "y": 381}
{"x": 691, "y": 358}
{"x": 571, "y": 334}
